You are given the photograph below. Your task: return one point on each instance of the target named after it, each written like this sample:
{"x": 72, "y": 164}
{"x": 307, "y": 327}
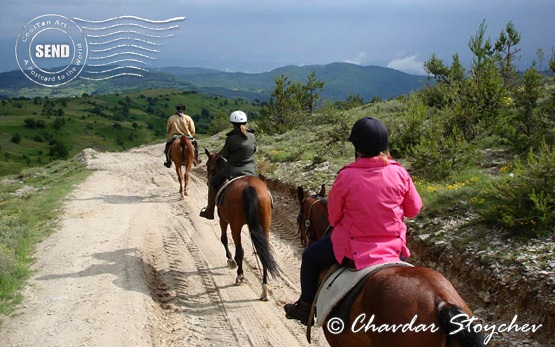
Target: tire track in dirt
{"x": 196, "y": 296}
{"x": 186, "y": 271}
{"x": 247, "y": 321}
{"x": 180, "y": 282}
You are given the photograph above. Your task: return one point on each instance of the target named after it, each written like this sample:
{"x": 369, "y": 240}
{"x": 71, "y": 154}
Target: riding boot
{"x": 168, "y": 162}
{"x": 208, "y": 211}
{"x": 299, "y": 310}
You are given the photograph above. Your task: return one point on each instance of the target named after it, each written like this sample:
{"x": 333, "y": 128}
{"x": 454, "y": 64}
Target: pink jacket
{"x": 367, "y": 205}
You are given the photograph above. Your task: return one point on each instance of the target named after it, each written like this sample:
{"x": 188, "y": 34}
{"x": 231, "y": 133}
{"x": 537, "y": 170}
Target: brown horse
{"x": 394, "y": 297}
{"x": 182, "y": 153}
{"x": 246, "y": 200}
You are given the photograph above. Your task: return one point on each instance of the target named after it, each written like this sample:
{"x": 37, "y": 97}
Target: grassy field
{"x": 33, "y": 132}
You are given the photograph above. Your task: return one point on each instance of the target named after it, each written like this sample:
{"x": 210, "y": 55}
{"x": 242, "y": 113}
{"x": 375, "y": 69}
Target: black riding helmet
{"x": 369, "y": 136}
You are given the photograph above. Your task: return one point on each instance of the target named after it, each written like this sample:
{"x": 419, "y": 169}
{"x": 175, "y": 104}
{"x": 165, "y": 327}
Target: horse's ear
{"x": 322, "y": 191}
{"x": 300, "y": 194}
{"x": 206, "y": 151}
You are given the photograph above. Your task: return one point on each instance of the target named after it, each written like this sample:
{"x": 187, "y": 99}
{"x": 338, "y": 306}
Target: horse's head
{"x": 214, "y": 164}
{"x": 312, "y": 219}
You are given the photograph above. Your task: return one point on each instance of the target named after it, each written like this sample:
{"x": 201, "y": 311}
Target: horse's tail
{"x": 457, "y": 327}
{"x": 261, "y": 244}
{"x": 187, "y": 146}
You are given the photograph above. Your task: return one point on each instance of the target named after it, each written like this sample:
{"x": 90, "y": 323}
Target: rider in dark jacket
{"x": 239, "y": 149}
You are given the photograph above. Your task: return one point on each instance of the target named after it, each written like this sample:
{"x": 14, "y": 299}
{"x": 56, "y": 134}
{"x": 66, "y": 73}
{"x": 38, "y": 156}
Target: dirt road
{"x": 132, "y": 265}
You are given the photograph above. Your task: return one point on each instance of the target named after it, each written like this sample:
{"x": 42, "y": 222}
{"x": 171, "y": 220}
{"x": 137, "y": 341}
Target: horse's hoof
{"x": 231, "y": 264}
{"x": 240, "y": 280}
{"x": 264, "y": 295}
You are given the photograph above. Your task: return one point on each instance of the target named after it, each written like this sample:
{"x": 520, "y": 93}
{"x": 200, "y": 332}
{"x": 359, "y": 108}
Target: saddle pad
{"x": 220, "y": 193}
{"x": 339, "y": 283}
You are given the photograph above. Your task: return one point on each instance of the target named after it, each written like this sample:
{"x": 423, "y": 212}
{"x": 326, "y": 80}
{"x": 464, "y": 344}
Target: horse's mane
{"x": 323, "y": 200}
{"x": 220, "y": 162}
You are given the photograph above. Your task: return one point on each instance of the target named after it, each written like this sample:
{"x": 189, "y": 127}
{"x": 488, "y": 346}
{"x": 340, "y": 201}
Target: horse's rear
{"x": 407, "y": 306}
{"x": 182, "y": 154}
{"x": 247, "y": 200}
{"x": 234, "y": 210}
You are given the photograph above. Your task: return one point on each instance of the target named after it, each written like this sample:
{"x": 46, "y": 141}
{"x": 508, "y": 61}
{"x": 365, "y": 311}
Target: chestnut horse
{"x": 246, "y": 200}
{"x": 394, "y": 297}
{"x": 182, "y": 153}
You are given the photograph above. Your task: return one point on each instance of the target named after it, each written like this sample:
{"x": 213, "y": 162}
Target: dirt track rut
{"x": 131, "y": 264}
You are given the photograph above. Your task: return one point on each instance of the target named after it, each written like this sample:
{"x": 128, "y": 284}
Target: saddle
{"x": 220, "y": 194}
{"x": 338, "y": 290}
{"x": 193, "y": 141}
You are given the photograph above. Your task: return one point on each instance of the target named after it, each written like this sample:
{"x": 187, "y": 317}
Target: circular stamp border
{"x": 25, "y": 60}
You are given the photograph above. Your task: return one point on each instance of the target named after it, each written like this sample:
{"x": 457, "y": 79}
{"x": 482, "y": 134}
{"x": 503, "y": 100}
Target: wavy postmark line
{"x": 126, "y": 38}
{"x": 131, "y": 17}
{"x": 123, "y": 53}
{"x": 131, "y": 36}
{"x": 124, "y": 46}
{"x": 115, "y": 62}
{"x": 111, "y": 76}
{"x": 132, "y": 25}
{"x": 117, "y": 68}
{"x": 130, "y": 32}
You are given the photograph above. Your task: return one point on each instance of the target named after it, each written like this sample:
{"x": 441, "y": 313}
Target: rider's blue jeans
{"x": 316, "y": 257}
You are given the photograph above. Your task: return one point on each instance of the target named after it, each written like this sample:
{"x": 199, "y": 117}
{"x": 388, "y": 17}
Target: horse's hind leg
{"x": 180, "y": 179}
{"x": 239, "y": 254}
{"x": 264, "y": 295}
{"x": 186, "y": 179}
{"x": 265, "y": 223}
{"x": 223, "y": 238}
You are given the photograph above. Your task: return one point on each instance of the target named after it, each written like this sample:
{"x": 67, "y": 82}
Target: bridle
{"x": 307, "y": 223}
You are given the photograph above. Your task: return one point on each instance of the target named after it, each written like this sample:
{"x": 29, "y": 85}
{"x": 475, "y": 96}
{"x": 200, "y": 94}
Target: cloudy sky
{"x": 258, "y": 35}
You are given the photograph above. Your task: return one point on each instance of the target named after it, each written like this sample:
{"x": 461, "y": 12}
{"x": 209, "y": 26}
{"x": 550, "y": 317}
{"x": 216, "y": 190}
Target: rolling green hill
{"x": 341, "y": 79}
{"x": 35, "y": 131}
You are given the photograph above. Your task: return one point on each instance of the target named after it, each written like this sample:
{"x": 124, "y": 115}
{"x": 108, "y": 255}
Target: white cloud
{"x": 360, "y": 59}
{"x": 410, "y": 64}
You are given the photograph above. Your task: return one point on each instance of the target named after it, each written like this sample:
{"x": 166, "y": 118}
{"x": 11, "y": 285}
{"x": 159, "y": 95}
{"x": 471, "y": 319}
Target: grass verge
{"x": 29, "y": 208}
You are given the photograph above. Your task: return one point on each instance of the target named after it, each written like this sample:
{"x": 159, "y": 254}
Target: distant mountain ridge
{"x": 341, "y": 80}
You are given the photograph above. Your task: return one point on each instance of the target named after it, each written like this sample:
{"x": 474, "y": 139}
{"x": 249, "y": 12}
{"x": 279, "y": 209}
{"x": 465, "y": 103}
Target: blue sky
{"x": 258, "y": 35}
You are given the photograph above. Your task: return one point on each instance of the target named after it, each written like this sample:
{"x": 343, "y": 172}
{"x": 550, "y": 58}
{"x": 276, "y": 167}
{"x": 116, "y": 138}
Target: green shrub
{"x": 439, "y": 156}
{"x": 522, "y": 200}
{"x": 408, "y": 127}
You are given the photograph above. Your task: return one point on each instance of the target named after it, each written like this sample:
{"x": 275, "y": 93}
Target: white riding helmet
{"x": 238, "y": 117}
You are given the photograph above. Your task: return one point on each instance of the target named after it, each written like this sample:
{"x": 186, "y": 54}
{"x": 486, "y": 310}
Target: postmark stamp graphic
{"x": 51, "y": 50}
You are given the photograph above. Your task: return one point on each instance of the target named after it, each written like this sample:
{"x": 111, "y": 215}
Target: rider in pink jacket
{"x": 367, "y": 204}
